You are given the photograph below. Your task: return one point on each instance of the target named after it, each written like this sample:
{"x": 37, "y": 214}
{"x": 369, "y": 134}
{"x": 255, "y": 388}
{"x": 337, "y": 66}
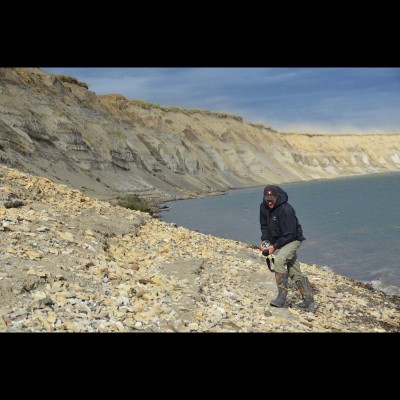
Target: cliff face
{"x": 54, "y": 126}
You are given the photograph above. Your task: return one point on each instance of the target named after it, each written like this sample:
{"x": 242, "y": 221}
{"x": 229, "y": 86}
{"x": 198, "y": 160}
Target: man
{"x": 280, "y": 230}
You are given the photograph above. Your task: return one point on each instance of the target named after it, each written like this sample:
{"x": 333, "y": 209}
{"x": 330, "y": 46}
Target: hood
{"x": 282, "y": 195}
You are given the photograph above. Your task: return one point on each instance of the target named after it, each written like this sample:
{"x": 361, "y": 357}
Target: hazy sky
{"x": 289, "y": 99}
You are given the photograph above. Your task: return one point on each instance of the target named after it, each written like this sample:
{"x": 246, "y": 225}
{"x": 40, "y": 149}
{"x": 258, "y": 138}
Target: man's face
{"x": 271, "y": 203}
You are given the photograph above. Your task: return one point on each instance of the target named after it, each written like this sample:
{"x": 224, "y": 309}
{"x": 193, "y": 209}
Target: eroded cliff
{"x": 107, "y": 145}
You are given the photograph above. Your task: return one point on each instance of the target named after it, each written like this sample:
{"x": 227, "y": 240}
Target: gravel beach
{"x": 74, "y": 263}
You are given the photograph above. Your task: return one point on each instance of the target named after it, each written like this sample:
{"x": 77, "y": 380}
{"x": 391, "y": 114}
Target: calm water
{"x": 351, "y": 225}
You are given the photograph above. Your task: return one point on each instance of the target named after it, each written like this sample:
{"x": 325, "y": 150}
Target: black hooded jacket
{"x": 279, "y": 225}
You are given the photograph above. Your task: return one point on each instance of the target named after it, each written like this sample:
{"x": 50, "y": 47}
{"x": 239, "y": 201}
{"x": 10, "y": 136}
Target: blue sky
{"x": 341, "y": 100}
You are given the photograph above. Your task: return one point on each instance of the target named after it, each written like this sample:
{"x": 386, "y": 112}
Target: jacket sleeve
{"x": 288, "y": 225}
{"x": 263, "y": 225}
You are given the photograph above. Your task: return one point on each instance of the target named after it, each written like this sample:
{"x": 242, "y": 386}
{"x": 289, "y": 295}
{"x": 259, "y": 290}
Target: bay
{"x": 351, "y": 224}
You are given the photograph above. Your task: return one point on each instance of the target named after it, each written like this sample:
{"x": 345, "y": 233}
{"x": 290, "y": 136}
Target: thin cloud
{"x": 335, "y": 99}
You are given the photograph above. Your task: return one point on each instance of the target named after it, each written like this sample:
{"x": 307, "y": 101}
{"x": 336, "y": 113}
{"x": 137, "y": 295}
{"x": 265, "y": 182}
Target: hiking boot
{"x": 308, "y": 303}
{"x": 281, "y": 282}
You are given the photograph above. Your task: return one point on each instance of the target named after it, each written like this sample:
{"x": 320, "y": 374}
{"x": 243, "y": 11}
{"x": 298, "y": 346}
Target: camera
{"x": 264, "y": 245}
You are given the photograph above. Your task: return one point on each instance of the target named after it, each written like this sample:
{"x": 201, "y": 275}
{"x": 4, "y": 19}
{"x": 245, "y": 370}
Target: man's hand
{"x": 270, "y": 249}
{"x": 267, "y": 248}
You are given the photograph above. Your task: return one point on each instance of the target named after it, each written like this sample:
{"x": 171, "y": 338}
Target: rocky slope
{"x": 106, "y": 145}
{"x": 72, "y": 263}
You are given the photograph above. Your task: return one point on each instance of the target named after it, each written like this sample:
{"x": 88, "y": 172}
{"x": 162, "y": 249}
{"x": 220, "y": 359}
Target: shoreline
{"x": 385, "y": 285}
{"x": 193, "y": 195}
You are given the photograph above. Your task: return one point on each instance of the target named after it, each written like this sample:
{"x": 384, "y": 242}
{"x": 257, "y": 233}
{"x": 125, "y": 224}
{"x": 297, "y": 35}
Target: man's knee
{"x": 297, "y": 275}
{"x": 279, "y": 265}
